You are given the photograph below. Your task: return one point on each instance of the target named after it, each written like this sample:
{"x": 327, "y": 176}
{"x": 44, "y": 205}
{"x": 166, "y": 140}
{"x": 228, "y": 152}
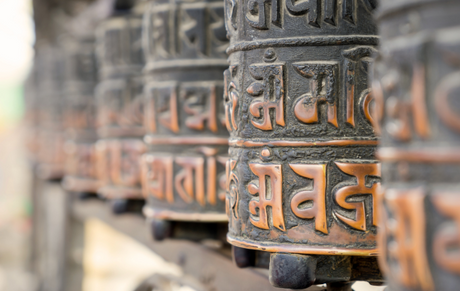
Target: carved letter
{"x": 157, "y": 177}
{"x": 317, "y": 195}
{"x": 312, "y": 7}
{"x": 272, "y": 88}
{"x": 124, "y": 167}
{"x": 258, "y": 16}
{"x": 231, "y": 97}
{"x": 200, "y": 102}
{"x": 356, "y": 58}
{"x": 162, "y": 105}
{"x": 268, "y": 195}
{"x": 322, "y": 89}
{"x": 232, "y": 189}
{"x": 445, "y": 111}
{"x": 361, "y": 172}
{"x": 447, "y": 238}
{"x": 190, "y": 186}
{"x": 407, "y": 246}
{"x": 401, "y": 110}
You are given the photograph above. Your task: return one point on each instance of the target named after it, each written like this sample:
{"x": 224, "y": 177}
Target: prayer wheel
{"x": 120, "y": 109}
{"x": 51, "y": 156}
{"x": 80, "y": 116}
{"x": 302, "y": 176}
{"x": 183, "y": 172}
{"x": 417, "y": 89}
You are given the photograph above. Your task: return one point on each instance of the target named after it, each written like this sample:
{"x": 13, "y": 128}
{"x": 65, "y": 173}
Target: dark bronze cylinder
{"x": 80, "y": 115}
{"x": 120, "y": 106}
{"x": 50, "y": 72}
{"x": 302, "y": 175}
{"x": 184, "y": 170}
{"x": 417, "y": 88}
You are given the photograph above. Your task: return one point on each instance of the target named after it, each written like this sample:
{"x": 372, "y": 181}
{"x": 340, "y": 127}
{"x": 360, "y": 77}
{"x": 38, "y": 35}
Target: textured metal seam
{"x": 339, "y": 142}
{"x": 304, "y": 41}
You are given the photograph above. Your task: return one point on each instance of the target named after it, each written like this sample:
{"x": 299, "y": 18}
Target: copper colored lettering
{"x": 361, "y": 172}
{"x": 231, "y": 97}
{"x": 445, "y": 111}
{"x": 200, "y": 103}
{"x": 358, "y": 60}
{"x": 188, "y": 185}
{"x": 317, "y": 195}
{"x": 407, "y": 248}
{"x": 269, "y": 189}
{"x": 232, "y": 189}
{"x": 401, "y": 110}
{"x": 157, "y": 173}
{"x": 272, "y": 88}
{"x": 446, "y": 246}
{"x": 322, "y": 89}
{"x": 162, "y": 105}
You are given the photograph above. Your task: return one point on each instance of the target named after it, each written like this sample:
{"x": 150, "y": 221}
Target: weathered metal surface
{"x": 302, "y": 175}
{"x": 302, "y": 171}
{"x": 51, "y": 157}
{"x": 183, "y": 173}
{"x": 417, "y": 84}
{"x": 80, "y": 115}
{"x": 120, "y": 107}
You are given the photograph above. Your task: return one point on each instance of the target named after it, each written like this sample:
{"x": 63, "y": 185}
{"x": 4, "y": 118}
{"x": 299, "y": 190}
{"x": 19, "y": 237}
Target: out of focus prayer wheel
{"x": 80, "y": 115}
{"x": 302, "y": 176}
{"x": 50, "y": 72}
{"x": 120, "y": 107}
{"x": 183, "y": 172}
{"x": 417, "y": 87}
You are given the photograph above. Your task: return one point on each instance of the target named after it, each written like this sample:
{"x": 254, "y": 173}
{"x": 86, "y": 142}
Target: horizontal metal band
{"x": 184, "y": 64}
{"x": 184, "y": 216}
{"x": 120, "y": 192}
{"x": 78, "y": 184}
{"x": 108, "y": 132}
{"x": 300, "y": 248}
{"x": 287, "y": 143}
{"x": 185, "y": 140}
{"x": 439, "y": 155}
{"x": 304, "y": 41}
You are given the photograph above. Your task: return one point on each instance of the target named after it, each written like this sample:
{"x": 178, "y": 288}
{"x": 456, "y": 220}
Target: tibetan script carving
{"x": 268, "y": 189}
{"x": 344, "y": 194}
{"x": 322, "y": 89}
{"x": 317, "y": 195}
{"x": 163, "y": 176}
{"x": 408, "y": 230}
{"x": 272, "y": 90}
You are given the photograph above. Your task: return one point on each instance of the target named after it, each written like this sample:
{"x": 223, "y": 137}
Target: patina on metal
{"x": 120, "y": 107}
{"x": 80, "y": 114}
{"x": 302, "y": 178}
{"x": 50, "y": 102}
{"x": 183, "y": 173}
{"x": 417, "y": 85}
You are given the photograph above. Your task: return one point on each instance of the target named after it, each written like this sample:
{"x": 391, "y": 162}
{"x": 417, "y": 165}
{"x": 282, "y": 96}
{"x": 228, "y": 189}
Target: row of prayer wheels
{"x": 318, "y": 142}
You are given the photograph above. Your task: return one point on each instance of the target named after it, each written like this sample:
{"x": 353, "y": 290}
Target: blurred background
{"x": 111, "y": 260}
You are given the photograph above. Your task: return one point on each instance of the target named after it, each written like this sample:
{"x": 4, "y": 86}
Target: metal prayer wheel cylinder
{"x": 51, "y": 156}
{"x": 302, "y": 177}
{"x": 120, "y": 108}
{"x": 80, "y": 116}
{"x": 183, "y": 173}
{"x": 417, "y": 87}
